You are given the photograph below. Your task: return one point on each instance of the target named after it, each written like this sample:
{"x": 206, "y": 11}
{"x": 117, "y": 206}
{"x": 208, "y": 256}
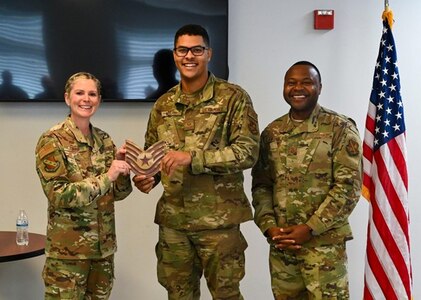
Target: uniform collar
{"x": 308, "y": 125}
{"x": 204, "y": 95}
{"x": 79, "y": 135}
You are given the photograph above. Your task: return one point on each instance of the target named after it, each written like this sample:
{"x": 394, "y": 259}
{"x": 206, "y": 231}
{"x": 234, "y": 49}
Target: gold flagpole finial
{"x": 387, "y": 14}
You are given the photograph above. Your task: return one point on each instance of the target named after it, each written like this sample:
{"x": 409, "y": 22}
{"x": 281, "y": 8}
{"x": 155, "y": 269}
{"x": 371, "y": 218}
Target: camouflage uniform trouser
{"x": 183, "y": 257}
{"x": 309, "y": 273}
{"x": 78, "y": 279}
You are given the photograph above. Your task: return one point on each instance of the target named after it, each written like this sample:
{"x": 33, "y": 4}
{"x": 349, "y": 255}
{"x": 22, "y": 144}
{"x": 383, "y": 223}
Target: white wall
{"x": 266, "y": 37}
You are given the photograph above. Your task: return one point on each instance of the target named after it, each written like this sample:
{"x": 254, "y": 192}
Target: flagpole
{"x": 387, "y": 14}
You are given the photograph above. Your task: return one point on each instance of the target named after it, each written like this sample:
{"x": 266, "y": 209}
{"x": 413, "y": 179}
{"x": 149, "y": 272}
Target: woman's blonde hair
{"x": 84, "y": 75}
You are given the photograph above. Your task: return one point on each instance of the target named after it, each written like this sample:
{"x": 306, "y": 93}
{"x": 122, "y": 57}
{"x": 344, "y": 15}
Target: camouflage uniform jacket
{"x": 221, "y": 132}
{"x": 309, "y": 174}
{"x": 80, "y": 195}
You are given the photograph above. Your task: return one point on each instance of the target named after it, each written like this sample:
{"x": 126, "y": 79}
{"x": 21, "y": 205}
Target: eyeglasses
{"x": 196, "y": 50}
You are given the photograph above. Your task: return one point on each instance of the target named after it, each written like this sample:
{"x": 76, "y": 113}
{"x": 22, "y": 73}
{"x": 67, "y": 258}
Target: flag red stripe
{"x": 370, "y": 125}
{"x": 367, "y": 294}
{"x": 399, "y": 159}
{"x": 380, "y": 274}
{"x": 391, "y": 194}
{"x": 367, "y": 152}
{"x": 382, "y": 226}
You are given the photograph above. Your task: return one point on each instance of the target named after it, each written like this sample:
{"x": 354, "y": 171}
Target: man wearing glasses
{"x": 212, "y": 135}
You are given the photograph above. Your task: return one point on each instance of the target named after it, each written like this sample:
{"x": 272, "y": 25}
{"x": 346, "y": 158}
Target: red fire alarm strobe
{"x": 323, "y": 18}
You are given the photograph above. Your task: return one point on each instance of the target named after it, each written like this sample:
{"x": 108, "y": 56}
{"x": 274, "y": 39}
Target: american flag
{"x": 388, "y": 273}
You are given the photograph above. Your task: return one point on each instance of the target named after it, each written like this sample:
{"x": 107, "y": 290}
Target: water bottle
{"x": 22, "y": 223}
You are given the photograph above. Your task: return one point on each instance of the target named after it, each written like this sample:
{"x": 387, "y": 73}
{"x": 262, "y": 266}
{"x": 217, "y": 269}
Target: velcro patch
{"x": 51, "y": 165}
{"x": 50, "y": 162}
{"x": 352, "y": 147}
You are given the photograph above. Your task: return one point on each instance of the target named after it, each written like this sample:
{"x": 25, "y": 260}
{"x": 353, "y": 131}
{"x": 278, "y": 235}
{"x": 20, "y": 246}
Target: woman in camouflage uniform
{"x": 82, "y": 174}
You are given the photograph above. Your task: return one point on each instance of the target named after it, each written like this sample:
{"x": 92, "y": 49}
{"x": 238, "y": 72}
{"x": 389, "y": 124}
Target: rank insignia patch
{"x": 145, "y": 162}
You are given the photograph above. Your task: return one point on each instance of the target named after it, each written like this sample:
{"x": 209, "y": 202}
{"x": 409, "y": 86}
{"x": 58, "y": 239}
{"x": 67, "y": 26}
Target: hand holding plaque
{"x": 145, "y": 162}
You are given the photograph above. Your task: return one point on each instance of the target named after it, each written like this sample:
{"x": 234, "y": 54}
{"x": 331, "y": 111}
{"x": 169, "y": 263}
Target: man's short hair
{"x": 192, "y": 29}
{"x": 307, "y": 63}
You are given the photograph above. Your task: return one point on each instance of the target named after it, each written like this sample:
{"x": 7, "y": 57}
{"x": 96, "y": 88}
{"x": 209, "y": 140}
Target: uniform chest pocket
{"x": 321, "y": 156}
{"x": 167, "y": 131}
{"x": 208, "y": 126}
{"x": 294, "y": 156}
{"x": 278, "y": 158}
{"x": 100, "y": 161}
{"x": 205, "y": 123}
{"x": 208, "y": 119}
{"x": 84, "y": 163}
{"x": 75, "y": 167}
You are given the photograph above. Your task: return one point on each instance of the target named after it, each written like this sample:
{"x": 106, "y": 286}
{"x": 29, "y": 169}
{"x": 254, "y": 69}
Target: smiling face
{"x": 83, "y": 98}
{"x": 193, "y": 69}
{"x": 302, "y": 88}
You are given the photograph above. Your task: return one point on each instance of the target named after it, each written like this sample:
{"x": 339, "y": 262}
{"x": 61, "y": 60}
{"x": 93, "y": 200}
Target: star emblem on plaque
{"x": 145, "y": 162}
